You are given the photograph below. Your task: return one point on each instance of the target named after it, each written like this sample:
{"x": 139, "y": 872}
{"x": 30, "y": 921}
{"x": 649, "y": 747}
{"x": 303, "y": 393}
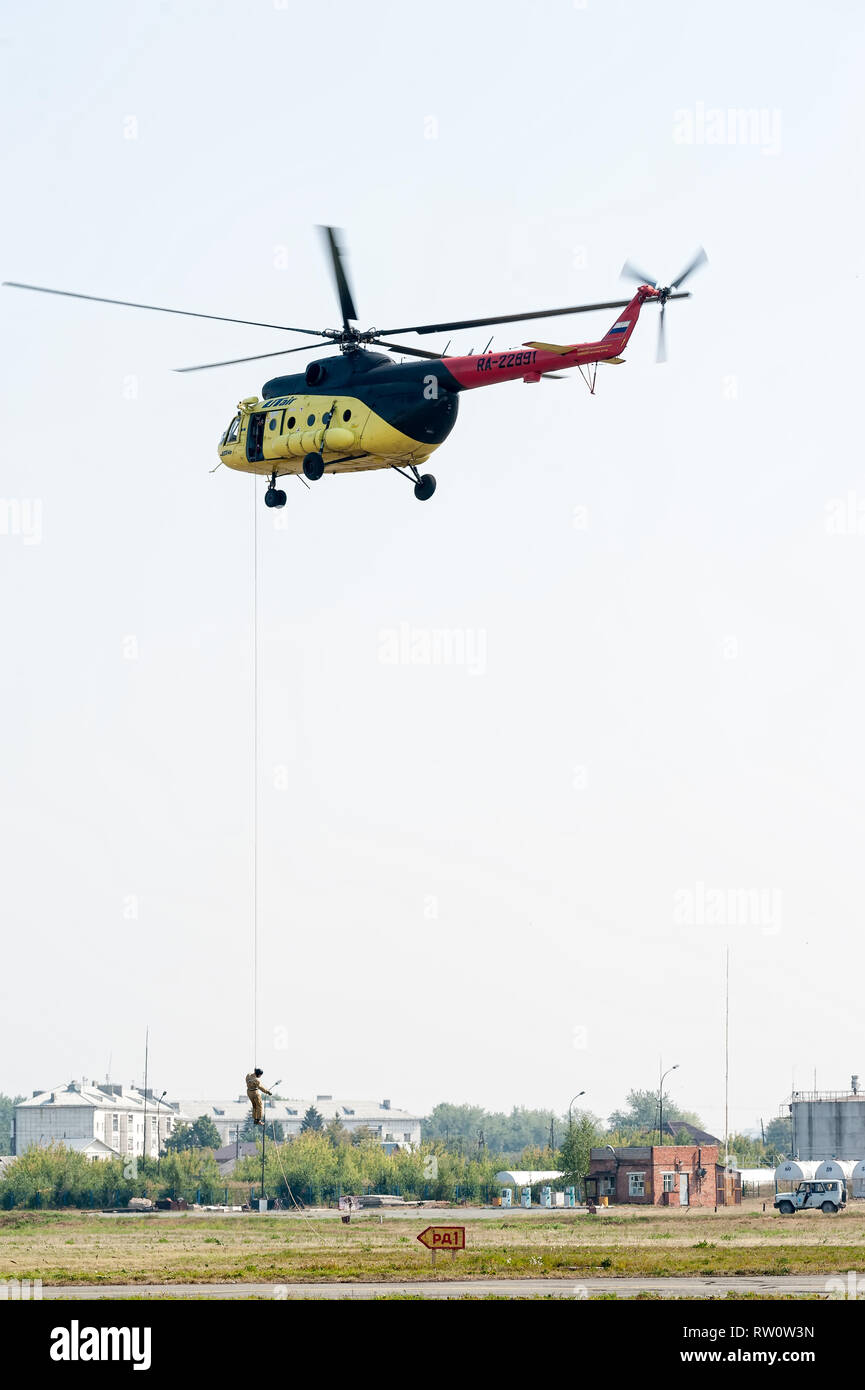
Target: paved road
{"x": 793, "y": 1284}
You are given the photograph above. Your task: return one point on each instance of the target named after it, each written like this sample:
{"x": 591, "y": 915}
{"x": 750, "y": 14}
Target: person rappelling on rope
{"x": 255, "y": 1090}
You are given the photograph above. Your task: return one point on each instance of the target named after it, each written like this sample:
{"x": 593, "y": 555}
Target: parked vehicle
{"x": 828, "y": 1197}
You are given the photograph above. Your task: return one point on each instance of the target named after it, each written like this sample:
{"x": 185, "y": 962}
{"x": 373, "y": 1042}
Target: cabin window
{"x": 233, "y": 430}
{"x": 271, "y": 424}
{"x": 326, "y": 417}
{"x": 290, "y": 423}
{"x": 310, "y": 419}
{"x": 346, "y": 415}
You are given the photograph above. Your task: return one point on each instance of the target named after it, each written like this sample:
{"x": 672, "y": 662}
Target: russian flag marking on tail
{"x": 621, "y": 327}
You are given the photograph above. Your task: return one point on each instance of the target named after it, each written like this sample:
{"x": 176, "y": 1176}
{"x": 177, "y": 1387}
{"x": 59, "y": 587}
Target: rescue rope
{"x": 254, "y": 772}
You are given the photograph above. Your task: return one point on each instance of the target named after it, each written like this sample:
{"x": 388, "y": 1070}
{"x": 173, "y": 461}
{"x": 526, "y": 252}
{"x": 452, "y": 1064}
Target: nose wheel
{"x": 275, "y": 496}
{"x": 313, "y": 467}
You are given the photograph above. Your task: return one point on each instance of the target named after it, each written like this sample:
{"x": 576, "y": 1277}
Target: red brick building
{"x": 669, "y": 1175}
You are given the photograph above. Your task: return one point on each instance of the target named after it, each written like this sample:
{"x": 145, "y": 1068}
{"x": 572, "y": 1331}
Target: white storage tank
{"x": 857, "y": 1179}
{"x": 796, "y": 1170}
{"x": 835, "y": 1170}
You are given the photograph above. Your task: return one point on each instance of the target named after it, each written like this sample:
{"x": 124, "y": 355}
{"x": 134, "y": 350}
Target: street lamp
{"x": 675, "y": 1067}
{"x": 570, "y": 1107}
{"x": 264, "y": 1134}
{"x": 158, "y": 1142}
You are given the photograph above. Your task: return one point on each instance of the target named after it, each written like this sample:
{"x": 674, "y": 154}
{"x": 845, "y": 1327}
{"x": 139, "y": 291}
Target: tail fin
{"x": 618, "y": 335}
{"x": 615, "y": 338}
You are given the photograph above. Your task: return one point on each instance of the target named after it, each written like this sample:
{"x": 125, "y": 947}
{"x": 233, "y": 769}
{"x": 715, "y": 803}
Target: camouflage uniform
{"x": 254, "y": 1090}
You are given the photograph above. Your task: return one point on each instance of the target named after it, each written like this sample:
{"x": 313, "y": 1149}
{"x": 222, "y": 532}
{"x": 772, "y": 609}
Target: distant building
{"x": 670, "y": 1175}
{"x": 685, "y": 1133}
{"x": 228, "y": 1156}
{"x": 394, "y": 1129}
{"x": 103, "y": 1121}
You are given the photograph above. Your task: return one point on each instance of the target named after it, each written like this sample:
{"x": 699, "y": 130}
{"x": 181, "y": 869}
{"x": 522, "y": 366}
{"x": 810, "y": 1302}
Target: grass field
{"x": 93, "y": 1248}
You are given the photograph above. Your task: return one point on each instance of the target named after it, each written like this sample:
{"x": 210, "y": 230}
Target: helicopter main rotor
{"x": 350, "y": 338}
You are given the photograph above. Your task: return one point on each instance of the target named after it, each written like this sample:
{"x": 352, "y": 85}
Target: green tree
{"x": 337, "y": 1132}
{"x": 641, "y": 1113}
{"x": 779, "y": 1136}
{"x": 575, "y": 1153}
{"x": 205, "y": 1134}
{"x": 505, "y": 1135}
{"x": 179, "y": 1139}
{"x": 202, "y": 1134}
{"x": 311, "y": 1120}
{"x": 363, "y": 1135}
{"x": 747, "y": 1152}
{"x": 7, "y": 1111}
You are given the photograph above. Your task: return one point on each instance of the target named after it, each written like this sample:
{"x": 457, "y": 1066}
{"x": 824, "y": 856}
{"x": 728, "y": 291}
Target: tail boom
{"x": 534, "y": 359}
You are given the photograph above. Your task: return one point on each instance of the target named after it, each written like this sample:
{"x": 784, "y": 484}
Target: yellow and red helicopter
{"x": 361, "y": 410}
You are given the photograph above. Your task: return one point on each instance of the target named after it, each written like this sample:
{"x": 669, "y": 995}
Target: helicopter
{"x": 360, "y": 410}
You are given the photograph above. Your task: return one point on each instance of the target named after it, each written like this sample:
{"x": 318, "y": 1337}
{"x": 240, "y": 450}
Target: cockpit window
{"x": 233, "y": 430}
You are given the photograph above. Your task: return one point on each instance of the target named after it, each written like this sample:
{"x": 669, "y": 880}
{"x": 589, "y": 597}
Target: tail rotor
{"x": 664, "y": 292}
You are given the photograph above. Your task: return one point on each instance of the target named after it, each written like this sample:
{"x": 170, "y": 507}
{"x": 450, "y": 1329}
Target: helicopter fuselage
{"x": 362, "y": 410}
{"x": 358, "y": 411}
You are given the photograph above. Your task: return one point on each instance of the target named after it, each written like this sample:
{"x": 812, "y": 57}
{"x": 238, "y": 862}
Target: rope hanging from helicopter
{"x": 254, "y": 772}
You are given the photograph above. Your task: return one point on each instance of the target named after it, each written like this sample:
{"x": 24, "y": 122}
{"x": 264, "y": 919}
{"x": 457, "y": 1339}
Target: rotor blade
{"x": 412, "y": 351}
{"x": 700, "y": 259}
{"x": 346, "y": 303}
{"x": 505, "y": 318}
{"x": 630, "y": 271}
{"x": 661, "y": 352}
{"x": 258, "y": 357}
{"x": 158, "y": 308}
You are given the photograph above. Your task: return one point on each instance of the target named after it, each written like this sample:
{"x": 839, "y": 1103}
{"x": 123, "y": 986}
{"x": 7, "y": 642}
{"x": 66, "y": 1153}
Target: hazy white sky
{"x": 490, "y": 879}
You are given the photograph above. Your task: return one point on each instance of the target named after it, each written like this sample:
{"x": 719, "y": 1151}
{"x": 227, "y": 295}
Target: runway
{"x": 793, "y": 1285}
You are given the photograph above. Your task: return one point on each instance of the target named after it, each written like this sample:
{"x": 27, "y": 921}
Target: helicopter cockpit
{"x": 231, "y": 434}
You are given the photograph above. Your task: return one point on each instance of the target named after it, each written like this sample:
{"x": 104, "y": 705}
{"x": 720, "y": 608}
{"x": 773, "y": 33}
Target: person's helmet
{"x": 258, "y": 1071}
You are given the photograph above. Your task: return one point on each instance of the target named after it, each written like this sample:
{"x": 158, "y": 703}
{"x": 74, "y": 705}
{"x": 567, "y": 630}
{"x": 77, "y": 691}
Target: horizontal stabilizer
{"x": 553, "y": 347}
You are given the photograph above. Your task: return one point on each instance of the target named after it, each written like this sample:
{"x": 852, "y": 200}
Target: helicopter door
{"x": 255, "y": 438}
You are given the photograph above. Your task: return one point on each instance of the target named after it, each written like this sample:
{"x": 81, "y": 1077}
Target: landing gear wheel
{"x": 274, "y": 497}
{"x": 425, "y": 487}
{"x": 313, "y": 467}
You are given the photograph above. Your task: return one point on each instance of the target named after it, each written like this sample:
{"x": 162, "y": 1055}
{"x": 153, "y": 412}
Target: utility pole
{"x": 159, "y": 1101}
{"x": 146, "y": 1059}
{"x": 727, "y": 1068}
{"x": 552, "y": 1134}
